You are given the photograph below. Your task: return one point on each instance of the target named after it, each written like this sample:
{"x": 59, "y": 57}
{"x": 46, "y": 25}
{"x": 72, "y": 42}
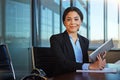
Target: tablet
{"x": 104, "y": 47}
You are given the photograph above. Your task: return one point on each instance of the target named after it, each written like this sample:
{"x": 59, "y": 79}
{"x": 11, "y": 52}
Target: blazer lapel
{"x": 82, "y": 47}
{"x": 69, "y": 45}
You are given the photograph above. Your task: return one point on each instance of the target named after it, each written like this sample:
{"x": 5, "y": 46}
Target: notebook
{"x": 109, "y": 68}
{"x": 105, "y": 70}
{"x": 104, "y": 47}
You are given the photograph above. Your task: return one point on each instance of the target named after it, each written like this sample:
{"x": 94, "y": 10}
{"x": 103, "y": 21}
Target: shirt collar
{"x": 71, "y": 37}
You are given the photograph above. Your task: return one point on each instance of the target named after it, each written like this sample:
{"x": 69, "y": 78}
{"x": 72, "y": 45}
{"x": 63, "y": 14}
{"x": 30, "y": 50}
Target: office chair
{"x": 43, "y": 60}
{"x": 5, "y": 61}
{"x": 42, "y": 64}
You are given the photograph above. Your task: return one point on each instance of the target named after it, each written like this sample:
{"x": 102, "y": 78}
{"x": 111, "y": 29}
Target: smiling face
{"x": 72, "y": 22}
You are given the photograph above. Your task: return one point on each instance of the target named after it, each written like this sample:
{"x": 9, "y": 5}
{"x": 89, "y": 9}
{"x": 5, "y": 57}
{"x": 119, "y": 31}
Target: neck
{"x": 74, "y": 36}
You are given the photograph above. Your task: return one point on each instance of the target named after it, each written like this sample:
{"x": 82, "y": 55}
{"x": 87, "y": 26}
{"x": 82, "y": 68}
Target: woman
{"x": 70, "y": 48}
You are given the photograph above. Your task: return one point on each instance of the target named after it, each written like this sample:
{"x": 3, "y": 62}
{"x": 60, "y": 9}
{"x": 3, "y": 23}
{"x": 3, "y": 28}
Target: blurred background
{"x": 27, "y": 23}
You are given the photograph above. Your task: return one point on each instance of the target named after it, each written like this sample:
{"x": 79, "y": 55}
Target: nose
{"x": 72, "y": 21}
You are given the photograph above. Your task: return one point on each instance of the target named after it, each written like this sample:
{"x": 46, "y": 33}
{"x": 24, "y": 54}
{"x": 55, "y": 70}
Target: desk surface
{"x": 87, "y": 76}
{"x": 90, "y": 75}
{"x": 70, "y": 76}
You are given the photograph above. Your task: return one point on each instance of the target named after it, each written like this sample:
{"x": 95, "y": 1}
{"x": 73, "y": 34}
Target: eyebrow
{"x": 74, "y": 17}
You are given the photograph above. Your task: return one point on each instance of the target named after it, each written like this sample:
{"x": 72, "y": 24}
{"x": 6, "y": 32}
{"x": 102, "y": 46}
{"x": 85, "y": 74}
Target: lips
{"x": 73, "y": 27}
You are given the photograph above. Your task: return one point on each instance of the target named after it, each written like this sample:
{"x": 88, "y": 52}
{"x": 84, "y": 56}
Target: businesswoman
{"x": 70, "y": 48}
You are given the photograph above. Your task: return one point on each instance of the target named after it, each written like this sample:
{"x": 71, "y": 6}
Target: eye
{"x": 68, "y": 19}
{"x": 76, "y": 19}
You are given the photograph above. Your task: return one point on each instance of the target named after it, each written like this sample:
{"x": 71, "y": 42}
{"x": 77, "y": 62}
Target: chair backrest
{"x": 5, "y": 60}
{"x": 42, "y": 58}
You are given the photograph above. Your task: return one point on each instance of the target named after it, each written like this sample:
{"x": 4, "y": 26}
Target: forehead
{"x": 72, "y": 14}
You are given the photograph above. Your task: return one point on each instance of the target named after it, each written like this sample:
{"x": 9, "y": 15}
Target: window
{"x": 104, "y": 22}
{"x": 96, "y": 23}
{"x": 15, "y": 28}
{"x": 49, "y": 19}
{"x": 113, "y": 22}
{"x": 0, "y": 21}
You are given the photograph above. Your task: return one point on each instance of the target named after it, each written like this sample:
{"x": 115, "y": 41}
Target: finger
{"x": 104, "y": 61}
{"x": 99, "y": 58}
{"x": 103, "y": 64}
{"x": 99, "y": 61}
{"x": 104, "y": 54}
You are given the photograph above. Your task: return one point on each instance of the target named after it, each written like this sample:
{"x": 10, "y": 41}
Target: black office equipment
{"x": 44, "y": 60}
{"x": 42, "y": 64}
{"x": 6, "y": 65}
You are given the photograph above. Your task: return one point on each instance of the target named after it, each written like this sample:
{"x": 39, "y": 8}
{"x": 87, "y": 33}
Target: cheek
{"x": 66, "y": 24}
{"x": 79, "y": 23}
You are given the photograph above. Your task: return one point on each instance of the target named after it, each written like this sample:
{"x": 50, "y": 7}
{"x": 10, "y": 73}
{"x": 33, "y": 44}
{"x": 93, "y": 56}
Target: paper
{"x": 100, "y": 71}
{"x": 104, "y": 47}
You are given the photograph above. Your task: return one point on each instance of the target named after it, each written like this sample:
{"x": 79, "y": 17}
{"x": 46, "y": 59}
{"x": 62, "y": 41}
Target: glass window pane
{"x": 96, "y": 17}
{"x": 65, "y": 3}
{"x": 119, "y": 25}
{"x": 17, "y": 32}
{"x": 56, "y": 25}
{"x": 112, "y": 22}
{"x": 50, "y": 20}
{"x": 0, "y": 21}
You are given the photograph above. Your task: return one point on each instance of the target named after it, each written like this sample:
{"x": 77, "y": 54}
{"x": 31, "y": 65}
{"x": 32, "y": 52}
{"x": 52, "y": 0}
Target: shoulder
{"x": 59, "y": 36}
{"x": 83, "y": 39}
{"x": 56, "y": 36}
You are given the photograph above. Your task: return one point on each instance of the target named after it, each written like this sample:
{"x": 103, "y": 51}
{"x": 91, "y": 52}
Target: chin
{"x": 73, "y": 31}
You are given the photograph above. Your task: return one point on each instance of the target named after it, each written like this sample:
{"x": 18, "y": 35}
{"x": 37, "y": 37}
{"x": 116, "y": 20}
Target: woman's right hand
{"x": 99, "y": 64}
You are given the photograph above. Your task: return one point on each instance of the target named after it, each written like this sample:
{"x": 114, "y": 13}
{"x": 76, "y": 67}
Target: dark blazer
{"x": 64, "y": 53}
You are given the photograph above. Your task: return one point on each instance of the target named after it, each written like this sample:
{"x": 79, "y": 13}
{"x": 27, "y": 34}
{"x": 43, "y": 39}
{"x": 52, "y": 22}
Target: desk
{"x": 90, "y": 75}
{"x": 69, "y": 76}
{"x": 87, "y": 76}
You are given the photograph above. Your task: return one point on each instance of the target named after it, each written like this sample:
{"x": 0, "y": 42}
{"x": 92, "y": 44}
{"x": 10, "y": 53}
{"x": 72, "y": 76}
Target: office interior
{"x": 27, "y": 23}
